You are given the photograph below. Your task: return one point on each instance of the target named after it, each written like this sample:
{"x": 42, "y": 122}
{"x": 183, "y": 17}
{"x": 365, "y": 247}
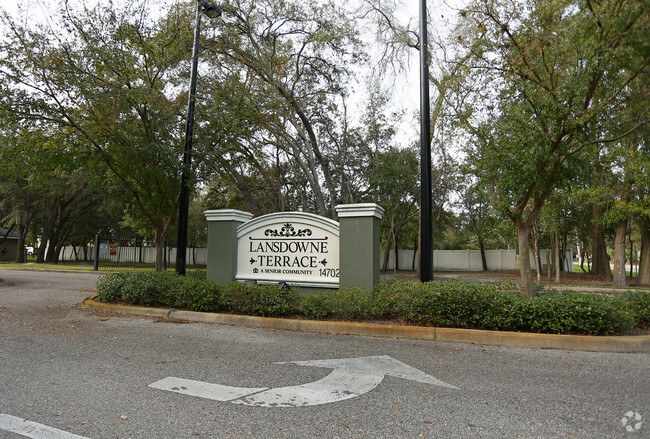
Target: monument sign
{"x": 297, "y": 248}
{"x": 302, "y": 249}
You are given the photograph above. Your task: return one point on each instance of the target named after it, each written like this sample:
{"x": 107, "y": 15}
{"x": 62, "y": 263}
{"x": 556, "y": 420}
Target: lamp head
{"x": 210, "y": 9}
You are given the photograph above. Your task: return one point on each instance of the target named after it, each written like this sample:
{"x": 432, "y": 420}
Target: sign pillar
{"x": 359, "y": 244}
{"x": 222, "y": 243}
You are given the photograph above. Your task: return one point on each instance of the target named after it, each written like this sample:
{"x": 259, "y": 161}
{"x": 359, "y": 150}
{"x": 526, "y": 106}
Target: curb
{"x": 631, "y": 344}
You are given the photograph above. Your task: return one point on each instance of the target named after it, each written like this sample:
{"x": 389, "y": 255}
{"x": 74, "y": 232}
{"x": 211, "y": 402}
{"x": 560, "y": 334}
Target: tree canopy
{"x": 550, "y": 83}
{"x": 539, "y": 117}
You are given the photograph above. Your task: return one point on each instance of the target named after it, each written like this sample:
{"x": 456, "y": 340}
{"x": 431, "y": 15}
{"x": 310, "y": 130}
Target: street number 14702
{"x": 329, "y": 272}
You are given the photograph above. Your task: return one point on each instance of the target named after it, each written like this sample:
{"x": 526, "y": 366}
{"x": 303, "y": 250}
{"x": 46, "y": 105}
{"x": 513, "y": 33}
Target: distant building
{"x": 8, "y": 245}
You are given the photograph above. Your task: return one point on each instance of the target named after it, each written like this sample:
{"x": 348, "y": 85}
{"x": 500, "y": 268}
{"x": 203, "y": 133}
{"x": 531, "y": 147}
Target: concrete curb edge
{"x": 631, "y": 344}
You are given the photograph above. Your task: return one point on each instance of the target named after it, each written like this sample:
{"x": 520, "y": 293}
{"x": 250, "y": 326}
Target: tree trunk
{"x": 55, "y": 239}
{"x": 644, "y": 263}
{"x": 527, "y": 283}
{"x": 564, "y": 265}
{"x": 20, "y": 249}
{"x": 244, "y": 189}
{"x": 59, "y": 233}
{"x": 578, "y": 250}
{"x": 581, "y": 260}
{"x": 416, "y": 249}
{"x": 538, "y": 262}
{"x": 620, "y": 277}
{"x": 396, "y": 261}
{"x": 315, "y": 151}
{"x": 483, "y": 259}
{"x": 48, "y": 231}
{"x": 63, "y": 236}
{"x": 384, "y": 266}
{"x": 557, "y": 263}
{"x": 600, "y": 263}
{"x": 551, "y": 268}
{"x": 23, "y": 218}
{"x": 159, "y": 241}
{"x": 629, "y": 230}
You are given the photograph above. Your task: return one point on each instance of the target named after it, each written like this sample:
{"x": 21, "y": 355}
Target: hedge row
{"x": 457, "y": 304}
{"x": 196, "y": 294}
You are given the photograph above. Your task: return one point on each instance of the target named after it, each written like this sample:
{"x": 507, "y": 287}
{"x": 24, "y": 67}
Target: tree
{"x": 292, "y": 60}
{"x": 108, "y": 76}
{"x": 625, "y": 205}
{"x": 394, "y": 183}
{"x": 617, "y": 176}
{"x": 629, "y": 171}
{"x": 398, "y": 41}
{"x": 643, "y": 195}
{"x": 48, "y": 185}
{"x": 18, "y": 196}
{"x": 557, "y": 218}
{"x": 552, "y": 75}
{"x": 644, "y": 263}
{"x": 481, "y": 219}
{"x": 234, "y": 157}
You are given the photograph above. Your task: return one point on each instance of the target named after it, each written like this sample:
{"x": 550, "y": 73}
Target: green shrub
{"x": 259, "y": 300}
{"x": 573, "y": 312}
{"x": 160, "y": 289}
{"x": 638, "y": 305}
{"x": 492, "y": 306}
{"x": 196, "y": 274}
{"x": 348, "y": 304}
{"x": 316, "y": 306}
{"x": 109, "y": 287}
{"x": 197, "y": 294}
{"x": 458, "y": 304}
{"x": 149, "y": 289}
{"x": 452, "y": 304}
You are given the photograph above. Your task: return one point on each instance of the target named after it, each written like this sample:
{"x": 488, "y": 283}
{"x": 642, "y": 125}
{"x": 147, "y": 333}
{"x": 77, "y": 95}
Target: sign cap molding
{"x": 360, "y": 210}
{"x": 228, "y": 215}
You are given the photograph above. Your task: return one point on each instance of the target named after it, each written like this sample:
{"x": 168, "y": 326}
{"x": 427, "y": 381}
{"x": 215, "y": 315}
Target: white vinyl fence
{"x": 470, "y": 260}
{"x": 194, "y": 255}
{"x": 443, "y": 260}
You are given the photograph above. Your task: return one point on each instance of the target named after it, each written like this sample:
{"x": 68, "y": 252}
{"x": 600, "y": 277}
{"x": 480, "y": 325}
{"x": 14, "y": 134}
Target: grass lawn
{"x": 84, "y": 266}
{"x": 577, "y": 269}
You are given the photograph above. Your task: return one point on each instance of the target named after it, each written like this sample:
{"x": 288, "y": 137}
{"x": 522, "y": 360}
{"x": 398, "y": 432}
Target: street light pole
{"x": 211, "y": 10}
{"x": 426, "y": 226}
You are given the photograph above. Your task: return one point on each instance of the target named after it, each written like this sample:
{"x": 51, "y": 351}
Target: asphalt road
{"x": 64, "y": 370}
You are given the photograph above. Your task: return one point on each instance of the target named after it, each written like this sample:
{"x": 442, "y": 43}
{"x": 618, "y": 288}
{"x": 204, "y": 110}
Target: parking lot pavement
{"x": 68, "y": 371}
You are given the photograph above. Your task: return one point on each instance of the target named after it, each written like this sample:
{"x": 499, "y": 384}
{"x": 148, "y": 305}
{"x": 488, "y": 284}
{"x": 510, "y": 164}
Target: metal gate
{"x": 126, "y": 253}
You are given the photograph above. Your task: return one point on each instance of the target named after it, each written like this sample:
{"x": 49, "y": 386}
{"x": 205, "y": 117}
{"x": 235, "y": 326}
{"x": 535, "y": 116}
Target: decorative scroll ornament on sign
{"x": 288, "y": 231}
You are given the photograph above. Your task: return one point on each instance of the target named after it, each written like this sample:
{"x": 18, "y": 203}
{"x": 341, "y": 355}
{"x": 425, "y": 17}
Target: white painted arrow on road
{"x": 351, "y": 377}
{"x": 203, "y": 389}
{"x": 33, "y": 430}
